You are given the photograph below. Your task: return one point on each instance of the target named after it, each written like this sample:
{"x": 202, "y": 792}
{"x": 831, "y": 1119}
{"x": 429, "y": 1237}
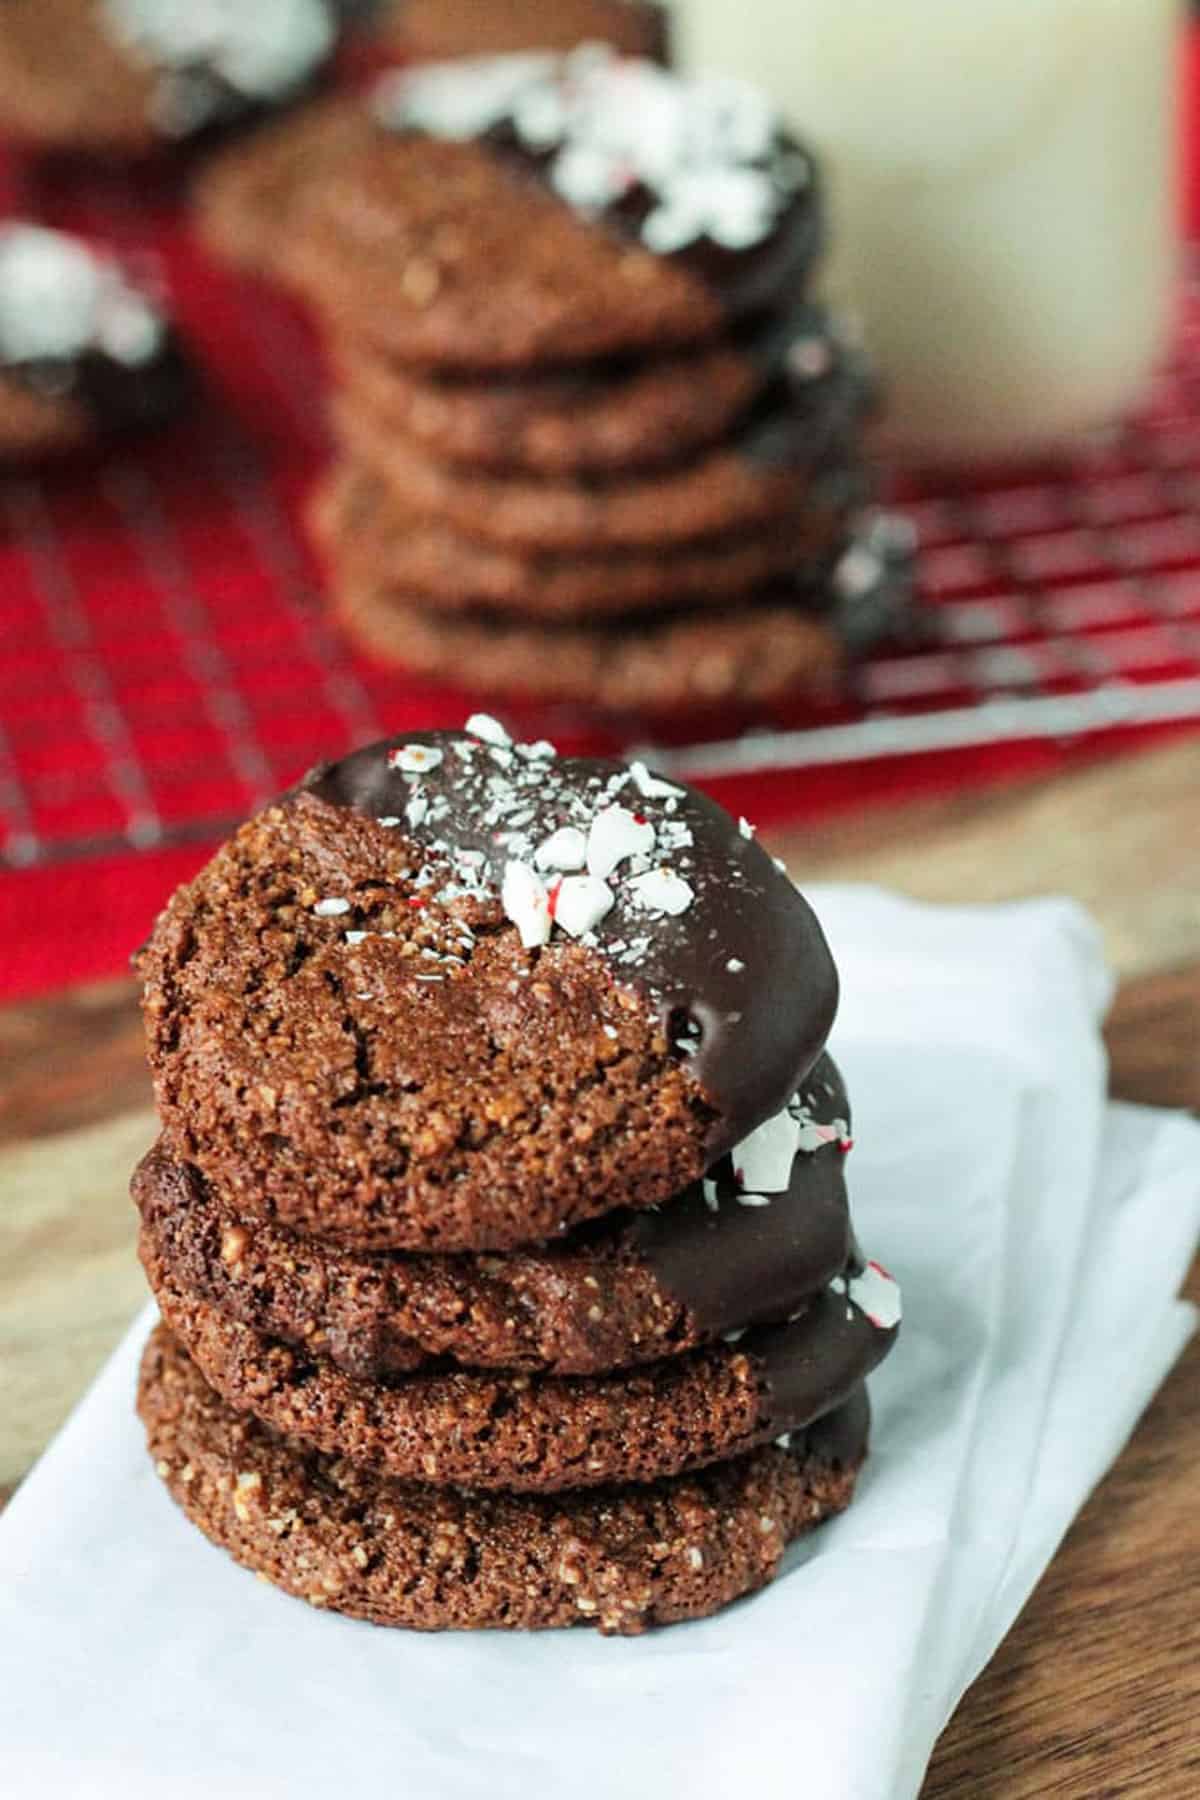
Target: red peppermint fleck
{"x": 552, "y": 895}
{"x": 846, "y": 1145}
{"x": 417, "y": 900}
{"x": 640, "y": 819}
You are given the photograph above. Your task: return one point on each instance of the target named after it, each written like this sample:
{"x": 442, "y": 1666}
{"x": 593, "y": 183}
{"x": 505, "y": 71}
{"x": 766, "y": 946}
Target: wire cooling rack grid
{"x": 165, "y": 664}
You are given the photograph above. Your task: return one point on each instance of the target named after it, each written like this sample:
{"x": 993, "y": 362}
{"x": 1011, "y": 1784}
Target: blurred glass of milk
{"x": 1002, "y": 186}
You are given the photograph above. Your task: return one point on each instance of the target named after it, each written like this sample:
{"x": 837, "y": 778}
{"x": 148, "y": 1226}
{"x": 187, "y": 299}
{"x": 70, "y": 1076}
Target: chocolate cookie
{"x": 598, "y": 417}
{"x": 129, "y": 75}
{"x": 83, "y": 352}
{"x": 394, "y": 1553}
{"x": 393, "y": 1010}
{"x": 445, "y": 28}
{"x": 665, "y": 662}
{"x": 631, "y": 1288}
{"x": 246, "y": 198}
{"x": 523, "y": 210}
{"x": 601, "y": 417}
{"x": 370, "y": 539}
{"x": 760, "y": 480}
{"x": 545, "y": 1433}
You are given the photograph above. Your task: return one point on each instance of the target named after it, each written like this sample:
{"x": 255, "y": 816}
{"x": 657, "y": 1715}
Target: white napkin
{"x": 1040, "y": 1237}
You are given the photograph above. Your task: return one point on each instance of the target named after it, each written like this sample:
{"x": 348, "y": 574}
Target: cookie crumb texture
{"x": 432, "y": 1086}
{"x": 620, "y": 1558}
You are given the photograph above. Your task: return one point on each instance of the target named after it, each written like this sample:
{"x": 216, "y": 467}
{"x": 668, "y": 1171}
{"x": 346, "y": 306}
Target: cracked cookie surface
{"x": 348, "y": 1034}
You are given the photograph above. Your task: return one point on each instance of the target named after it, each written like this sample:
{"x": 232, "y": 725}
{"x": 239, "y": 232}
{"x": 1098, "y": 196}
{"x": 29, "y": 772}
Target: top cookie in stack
{"x": 347, "y": 1039}
{"x": 499, "y": 1224}
{"x": 596, "y": 442}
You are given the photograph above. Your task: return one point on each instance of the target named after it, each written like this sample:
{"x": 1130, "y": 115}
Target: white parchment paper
{"x": 1041, "y": 1237}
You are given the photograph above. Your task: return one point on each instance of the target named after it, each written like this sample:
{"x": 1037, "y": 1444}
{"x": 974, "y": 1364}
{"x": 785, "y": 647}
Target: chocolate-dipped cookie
{"x": 339, "y": 1536}
{"x": 370, "y": 539}
{"x": 518, "y": 1433}
{"x": 128, "y": 76}
{"x": 460, "y": 993}
{"x": 770, "y": 647}
{"x": 531, "y": 210}
{"x": 628, "y": 1289}
{"x": 84, "y": 353}
{"x": 603, "y": 418}
{"x": 762, "y": 478}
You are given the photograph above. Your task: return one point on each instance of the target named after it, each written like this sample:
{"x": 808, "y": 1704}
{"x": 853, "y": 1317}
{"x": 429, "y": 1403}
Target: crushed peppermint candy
{"x": 565, "y": 850}
{"x": 602, "y": 854}
{"x": 616, "y": 835}
{"x": 527, "y": 903}
{"x": 652, "y": 787}
{"x": 60, "y": 300}
{"x": 264, "y": 50}
{"x": 415, "y": 759}
{"x": 579, "y": 902}
{"x": 753, "y": 1199}
{"x": 812, "y": 1135}
{"x": 705, "y": 156}
{"x": 331, "y": 909}
{"x": 491, "y": 731}
{"x": 877, "y": 1293}
{"x": 662, "y": 891}
{"x": 355, "y": 938}
{"x": 763, "y": 1161}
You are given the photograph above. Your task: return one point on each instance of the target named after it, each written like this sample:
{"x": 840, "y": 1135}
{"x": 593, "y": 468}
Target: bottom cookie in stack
{"x": 339, "y": 1535}
{"x": 623, "y": 1428}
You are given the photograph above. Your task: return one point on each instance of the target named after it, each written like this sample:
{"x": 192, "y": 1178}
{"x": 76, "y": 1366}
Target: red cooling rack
{"x": 165, "y": 664}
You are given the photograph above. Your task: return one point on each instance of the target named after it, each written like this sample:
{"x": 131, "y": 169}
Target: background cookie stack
{"x": 595, "y": 442}
{"x": 499, "y": 1222}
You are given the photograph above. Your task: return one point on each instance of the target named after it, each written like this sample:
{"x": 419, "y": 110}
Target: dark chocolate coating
{"x": 117, "y": 396}
{"x": 816, "y": 1362}
{"x": 838, "y": 1438}
{"x": 752, "y": 1030}
{"x": 736, "y": 1265}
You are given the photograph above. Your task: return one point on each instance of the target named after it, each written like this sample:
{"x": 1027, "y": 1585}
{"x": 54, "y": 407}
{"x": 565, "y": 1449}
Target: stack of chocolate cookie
{"x": 597, "y": 444}
{"x": 499, "y": 1221}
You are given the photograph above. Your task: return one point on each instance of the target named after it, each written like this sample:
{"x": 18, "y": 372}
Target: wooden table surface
{"x": 1096, "y": 1692}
